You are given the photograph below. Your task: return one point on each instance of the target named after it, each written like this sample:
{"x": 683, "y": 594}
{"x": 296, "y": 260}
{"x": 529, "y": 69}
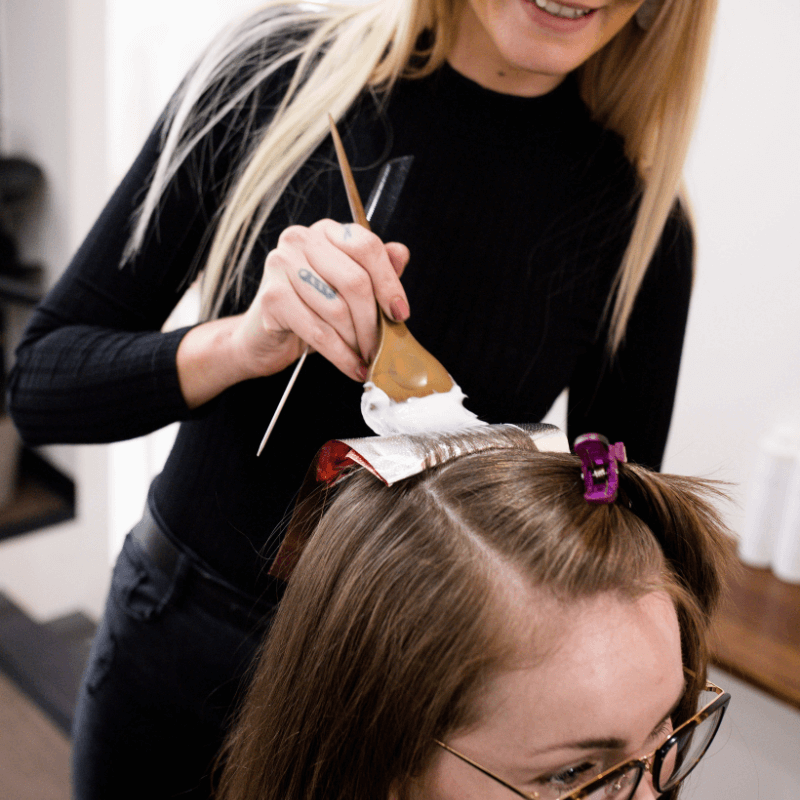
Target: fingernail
{"x": 399, "y": 309}
{"x": 362, "y": 371}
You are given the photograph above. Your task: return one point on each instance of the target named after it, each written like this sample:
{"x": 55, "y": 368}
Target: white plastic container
{"x": 766, "y": 502}
{"x": 786, "y": 554}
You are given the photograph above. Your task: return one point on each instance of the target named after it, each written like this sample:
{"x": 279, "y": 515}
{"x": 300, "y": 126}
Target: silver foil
{"x": 393, "y": 458}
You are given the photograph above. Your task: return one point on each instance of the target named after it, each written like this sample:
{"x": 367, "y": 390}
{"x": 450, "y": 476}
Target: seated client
{"x": 482, "y": 630}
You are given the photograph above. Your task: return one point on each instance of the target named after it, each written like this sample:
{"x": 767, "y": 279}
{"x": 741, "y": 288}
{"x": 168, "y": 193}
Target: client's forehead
{"x": 609, "y": 666}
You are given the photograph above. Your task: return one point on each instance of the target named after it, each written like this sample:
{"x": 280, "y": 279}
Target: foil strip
{"x": 394, "y": 458}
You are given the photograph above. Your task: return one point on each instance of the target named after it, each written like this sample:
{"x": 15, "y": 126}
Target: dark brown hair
{"x": 393, "y": 619}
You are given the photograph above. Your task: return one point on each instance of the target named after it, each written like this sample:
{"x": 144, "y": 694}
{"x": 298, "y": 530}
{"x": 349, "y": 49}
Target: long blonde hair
{"x": 644, "y": 85}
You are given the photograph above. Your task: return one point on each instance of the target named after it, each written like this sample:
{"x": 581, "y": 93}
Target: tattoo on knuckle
{"x": 347, "y": 231}
{"x": 312, "y": 280}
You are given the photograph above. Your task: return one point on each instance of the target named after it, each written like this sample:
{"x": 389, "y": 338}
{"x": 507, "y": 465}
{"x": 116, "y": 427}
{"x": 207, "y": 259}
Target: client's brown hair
{"x": 393, "y": 619}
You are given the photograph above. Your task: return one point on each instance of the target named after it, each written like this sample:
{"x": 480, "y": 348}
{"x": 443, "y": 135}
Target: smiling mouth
{"x": 561, "y": 11}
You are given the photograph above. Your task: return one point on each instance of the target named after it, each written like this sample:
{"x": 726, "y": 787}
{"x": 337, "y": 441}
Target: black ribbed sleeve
{"x": 93, "y": 366}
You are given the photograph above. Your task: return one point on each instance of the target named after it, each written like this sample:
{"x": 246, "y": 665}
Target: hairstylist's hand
{"x": 319, "y": 287}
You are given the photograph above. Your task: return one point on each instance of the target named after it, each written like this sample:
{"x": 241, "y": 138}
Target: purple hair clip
{"x": 600, "y": 462}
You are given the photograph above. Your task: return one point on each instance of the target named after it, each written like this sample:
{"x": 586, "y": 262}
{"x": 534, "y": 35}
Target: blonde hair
{"x": 643, "y": 85}
{"x": 397, "y": 612}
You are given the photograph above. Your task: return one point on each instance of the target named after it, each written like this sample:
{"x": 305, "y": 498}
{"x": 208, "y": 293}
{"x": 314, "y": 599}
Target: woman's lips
{"x": 559, "y": 17}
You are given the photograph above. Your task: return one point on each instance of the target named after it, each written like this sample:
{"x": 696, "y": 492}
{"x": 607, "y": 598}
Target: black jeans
{"x": 160, "y": 688}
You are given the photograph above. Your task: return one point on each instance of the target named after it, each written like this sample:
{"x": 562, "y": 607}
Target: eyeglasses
{"x": 668, "y": 765}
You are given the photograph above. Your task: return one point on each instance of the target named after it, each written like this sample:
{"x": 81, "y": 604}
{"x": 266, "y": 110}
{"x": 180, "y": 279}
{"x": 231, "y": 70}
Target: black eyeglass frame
{"x": 651, "y": 762}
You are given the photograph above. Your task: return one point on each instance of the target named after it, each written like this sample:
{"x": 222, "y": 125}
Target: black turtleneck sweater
{"x": 516, "y": 212}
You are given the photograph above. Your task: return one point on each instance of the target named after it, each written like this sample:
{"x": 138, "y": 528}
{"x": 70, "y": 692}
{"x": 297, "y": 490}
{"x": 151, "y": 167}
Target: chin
{"x": 498, "y": 36}
{"x": 526, "y": 47}
{"x": 546, "y": 59}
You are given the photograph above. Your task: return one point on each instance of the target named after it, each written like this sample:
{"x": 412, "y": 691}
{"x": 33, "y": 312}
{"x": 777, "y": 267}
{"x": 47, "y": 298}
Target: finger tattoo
{"x": 347, "y": 232}
{"x": 312, "y": 280}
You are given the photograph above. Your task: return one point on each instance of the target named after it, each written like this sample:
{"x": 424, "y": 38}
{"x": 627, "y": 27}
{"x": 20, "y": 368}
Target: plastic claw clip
{"x": 600, "y": 466}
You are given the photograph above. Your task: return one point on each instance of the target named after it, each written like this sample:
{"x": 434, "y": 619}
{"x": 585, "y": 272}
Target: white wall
{"x": 741, "y": 370}
{"x": 35, "y": 120}
{"x": 151, "y": 46}
{"x": 82, "y": 83}
{"x": 740, "y": 374}
{"x": 53, "y": 109}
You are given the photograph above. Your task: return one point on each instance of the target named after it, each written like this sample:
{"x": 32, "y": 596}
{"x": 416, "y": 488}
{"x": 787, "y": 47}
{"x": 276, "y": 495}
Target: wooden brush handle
{"x": 353, "y": 198}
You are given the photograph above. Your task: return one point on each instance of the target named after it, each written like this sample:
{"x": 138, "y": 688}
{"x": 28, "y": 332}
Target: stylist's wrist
{"x": 210, "y": 359}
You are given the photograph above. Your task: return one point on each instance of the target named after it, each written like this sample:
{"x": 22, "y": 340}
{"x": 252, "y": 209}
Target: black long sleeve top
{"x": 516, "y": 212}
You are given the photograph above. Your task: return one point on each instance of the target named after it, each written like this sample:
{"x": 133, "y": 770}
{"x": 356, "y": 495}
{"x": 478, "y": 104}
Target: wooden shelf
{"x": 44, "y": 496}
{"x": 757, "y": 635}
